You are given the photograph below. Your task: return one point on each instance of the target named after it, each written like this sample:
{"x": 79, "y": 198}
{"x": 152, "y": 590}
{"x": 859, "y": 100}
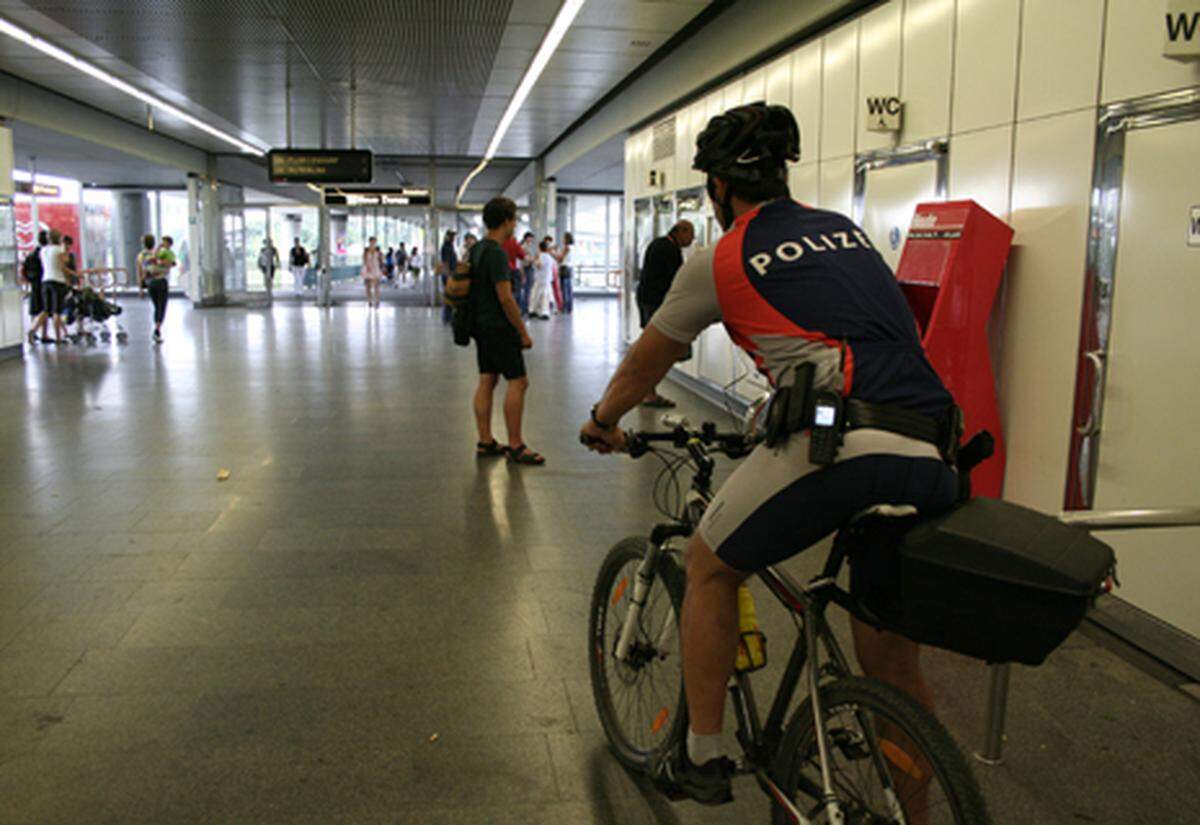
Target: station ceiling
{"x": 430, "y": 78}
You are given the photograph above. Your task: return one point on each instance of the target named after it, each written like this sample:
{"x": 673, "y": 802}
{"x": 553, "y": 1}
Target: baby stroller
{"x": 90, "y": 310}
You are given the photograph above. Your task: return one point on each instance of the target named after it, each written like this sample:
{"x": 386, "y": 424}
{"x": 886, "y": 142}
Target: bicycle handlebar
{"x": 734, "y": 445}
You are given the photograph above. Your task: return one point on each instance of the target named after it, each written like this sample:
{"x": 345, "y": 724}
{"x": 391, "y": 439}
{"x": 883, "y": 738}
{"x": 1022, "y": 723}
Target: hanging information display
{"x": 407, "y": 196}
{"x": 320, "y": 165}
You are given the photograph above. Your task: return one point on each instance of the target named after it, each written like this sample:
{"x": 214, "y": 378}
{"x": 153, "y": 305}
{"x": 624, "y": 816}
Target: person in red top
{"x": 516, "y": 253}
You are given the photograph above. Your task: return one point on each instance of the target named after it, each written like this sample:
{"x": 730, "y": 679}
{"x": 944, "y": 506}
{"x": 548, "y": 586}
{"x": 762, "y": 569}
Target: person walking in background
{"x": 520, "y": 279}
{"x": 299, "y": 260}
{"x": 446, "y": 267}
{"x": 157, "y": 274}
{"x": 662, "y": 260}
{"x": 372, "y": 271}
{"x": 563, "y": 257}
{"x": 389, "y": 265}
{"x": 500, "y": 336}
{"x": 555, "y": 286}
{"x": 56, "y": 277}
{"x": 31, "y": 274}
{"x": 414, "y": 264}
{"x": 268, "y": 262}
{"x": 401, "y": 266}
{"x": 529, "y": 245}
{"x": 543, "y": 276}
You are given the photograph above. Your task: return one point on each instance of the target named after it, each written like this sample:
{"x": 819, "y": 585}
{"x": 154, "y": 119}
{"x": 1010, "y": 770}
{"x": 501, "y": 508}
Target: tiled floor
{"x": 282, "y": 646}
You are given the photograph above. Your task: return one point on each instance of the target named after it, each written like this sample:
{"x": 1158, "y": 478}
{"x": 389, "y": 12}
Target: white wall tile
{"x": 839, "y": 91}
{"x": 925, "y": 79}
{"x": 1052, "y": 180}
{"x": 779, "y": 82}
{"x": 985, "y": 64}
{"x": 1060, "y": 56}
{"x": 837, "y": 184}
{"x": 1133, "y": 61}
{"x": 981, "y": 168}
{"x": 806, "y": 98}
{"x": 804, "y": 179}
{"x": 754, "y": 87}
{"x": 878, "y": 67}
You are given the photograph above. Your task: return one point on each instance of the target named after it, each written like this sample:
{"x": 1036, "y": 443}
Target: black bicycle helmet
{"x": 749, "y": 143}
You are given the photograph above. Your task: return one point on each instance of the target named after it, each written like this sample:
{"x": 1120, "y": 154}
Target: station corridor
{"x": 364, "y": 623}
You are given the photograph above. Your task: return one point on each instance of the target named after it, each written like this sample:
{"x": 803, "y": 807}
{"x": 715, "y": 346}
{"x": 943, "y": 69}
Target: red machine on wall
{"x": 950, "y": 270}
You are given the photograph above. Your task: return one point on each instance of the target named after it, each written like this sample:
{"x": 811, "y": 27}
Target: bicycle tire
{"x": 965, "y": 801}
{"x": 624, "y": 554}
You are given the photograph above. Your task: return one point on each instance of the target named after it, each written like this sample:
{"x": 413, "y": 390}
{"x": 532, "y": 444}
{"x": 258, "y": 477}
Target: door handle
{"x": 1092, "y": 426}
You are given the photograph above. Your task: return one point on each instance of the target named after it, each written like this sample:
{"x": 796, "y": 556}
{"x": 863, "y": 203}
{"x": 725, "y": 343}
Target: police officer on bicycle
{"x": 859, "y": 417}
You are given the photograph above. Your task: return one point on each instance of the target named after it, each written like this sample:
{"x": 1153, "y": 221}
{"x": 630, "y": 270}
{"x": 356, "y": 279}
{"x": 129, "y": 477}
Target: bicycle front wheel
{"x": 891, "y": 761}
{"x": 639, "y": 699}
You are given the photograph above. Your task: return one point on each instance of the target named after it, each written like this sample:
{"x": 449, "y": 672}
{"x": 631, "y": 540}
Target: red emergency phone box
{"x": 950, "y": 270}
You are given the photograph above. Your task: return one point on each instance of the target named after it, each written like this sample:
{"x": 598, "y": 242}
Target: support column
{"x": 544, "y": 204}
{"x": 205, "y": 282}
{"x": 133, "y": 221}
{"x": 324, "y": 276}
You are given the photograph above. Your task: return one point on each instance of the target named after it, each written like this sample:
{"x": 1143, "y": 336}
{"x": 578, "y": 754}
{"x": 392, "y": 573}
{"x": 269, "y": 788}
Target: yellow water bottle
{"x": 752, "y": 644}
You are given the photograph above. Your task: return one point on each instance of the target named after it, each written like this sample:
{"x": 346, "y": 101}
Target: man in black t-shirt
{"x": 298, "y": 261}
{"x": 499, "y": 334}
{"x": 663, "y": 258}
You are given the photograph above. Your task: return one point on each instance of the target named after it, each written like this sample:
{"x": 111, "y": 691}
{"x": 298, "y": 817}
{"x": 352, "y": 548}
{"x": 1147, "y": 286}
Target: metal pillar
{"x": 997, "y": 713}
{"x": 205, "y": 282}
{"x": 133, "y": 221}
{"x": 324, "y": 276}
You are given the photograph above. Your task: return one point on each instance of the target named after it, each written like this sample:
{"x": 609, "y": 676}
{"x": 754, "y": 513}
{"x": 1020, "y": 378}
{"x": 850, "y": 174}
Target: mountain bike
{"x": 855, "y": 750}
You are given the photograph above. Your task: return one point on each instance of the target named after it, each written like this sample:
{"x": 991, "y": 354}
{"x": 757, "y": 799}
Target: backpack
{"x": 31, "y": 267}
{"x": 458, "y": 298}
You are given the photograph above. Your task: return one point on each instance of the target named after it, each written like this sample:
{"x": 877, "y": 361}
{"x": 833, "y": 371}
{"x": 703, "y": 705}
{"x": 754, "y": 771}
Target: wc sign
{"x": 1182, "y": 31}
{"x": 883, "y": 114}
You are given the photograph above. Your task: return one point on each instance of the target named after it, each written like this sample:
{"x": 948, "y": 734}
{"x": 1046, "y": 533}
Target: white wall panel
{"x": 806, "y": 98}
{"x": 754, "y": 87}
{"x": 1133, "y": 61}
{"x": 981, "y": 168}
{"x": 699, "y": 119}
{"x": 928, "y": 54}
{"x": 837, "y": 184}
{"x": 779, "y": 82}
{"x": 878, "y": 67}
{"x": 839, "y": 92}
{"x": 985, "y": 65}
{"x": 1060, "y": 56}
{"x": 684, "y": 141}
{"x": 1052, "y": 177}
{"x": 731, "y": 94}
{"x": 804, "y": 179}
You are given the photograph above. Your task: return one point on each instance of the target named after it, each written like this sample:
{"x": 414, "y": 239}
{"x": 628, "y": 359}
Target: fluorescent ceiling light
{"x": 558, "y": 30}
{"x": 47, "y": 48}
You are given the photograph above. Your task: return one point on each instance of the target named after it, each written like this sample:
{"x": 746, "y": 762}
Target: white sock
{"x": 704, "y": 747}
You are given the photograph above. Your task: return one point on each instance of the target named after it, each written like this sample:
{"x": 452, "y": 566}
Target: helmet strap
{"x": 723, "y": 207}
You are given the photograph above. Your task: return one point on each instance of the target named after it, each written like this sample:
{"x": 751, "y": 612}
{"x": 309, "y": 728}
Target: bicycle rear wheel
{"x": 640, "y": 700}
{"x": 931, "y": 781}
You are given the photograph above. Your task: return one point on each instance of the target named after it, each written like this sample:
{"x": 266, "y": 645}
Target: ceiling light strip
{"x": 558, "y": 30}
{"x": 49, "y": 49}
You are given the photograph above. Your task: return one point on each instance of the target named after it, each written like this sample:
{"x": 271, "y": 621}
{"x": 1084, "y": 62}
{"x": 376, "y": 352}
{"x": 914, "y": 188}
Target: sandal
{"x": 483, "y": 450}
{"x": 524, "y": 455}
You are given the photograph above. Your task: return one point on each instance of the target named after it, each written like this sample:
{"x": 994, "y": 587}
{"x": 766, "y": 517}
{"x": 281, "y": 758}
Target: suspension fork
{"x": 643, "y": 581}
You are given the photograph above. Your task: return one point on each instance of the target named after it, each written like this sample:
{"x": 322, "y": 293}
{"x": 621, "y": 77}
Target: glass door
{"x": 233, "y": 250}
{"x": 257, "y": 230}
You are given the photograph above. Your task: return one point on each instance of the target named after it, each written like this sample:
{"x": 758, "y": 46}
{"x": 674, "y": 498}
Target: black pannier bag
{"x": 988, "y": 579}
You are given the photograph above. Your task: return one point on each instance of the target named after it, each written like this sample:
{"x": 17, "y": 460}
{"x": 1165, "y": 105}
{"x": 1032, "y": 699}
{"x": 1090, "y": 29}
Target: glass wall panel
{"x": 174, "y": 213}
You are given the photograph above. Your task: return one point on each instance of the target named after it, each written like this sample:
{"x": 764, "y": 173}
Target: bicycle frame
{"x": 760, "y": 743}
